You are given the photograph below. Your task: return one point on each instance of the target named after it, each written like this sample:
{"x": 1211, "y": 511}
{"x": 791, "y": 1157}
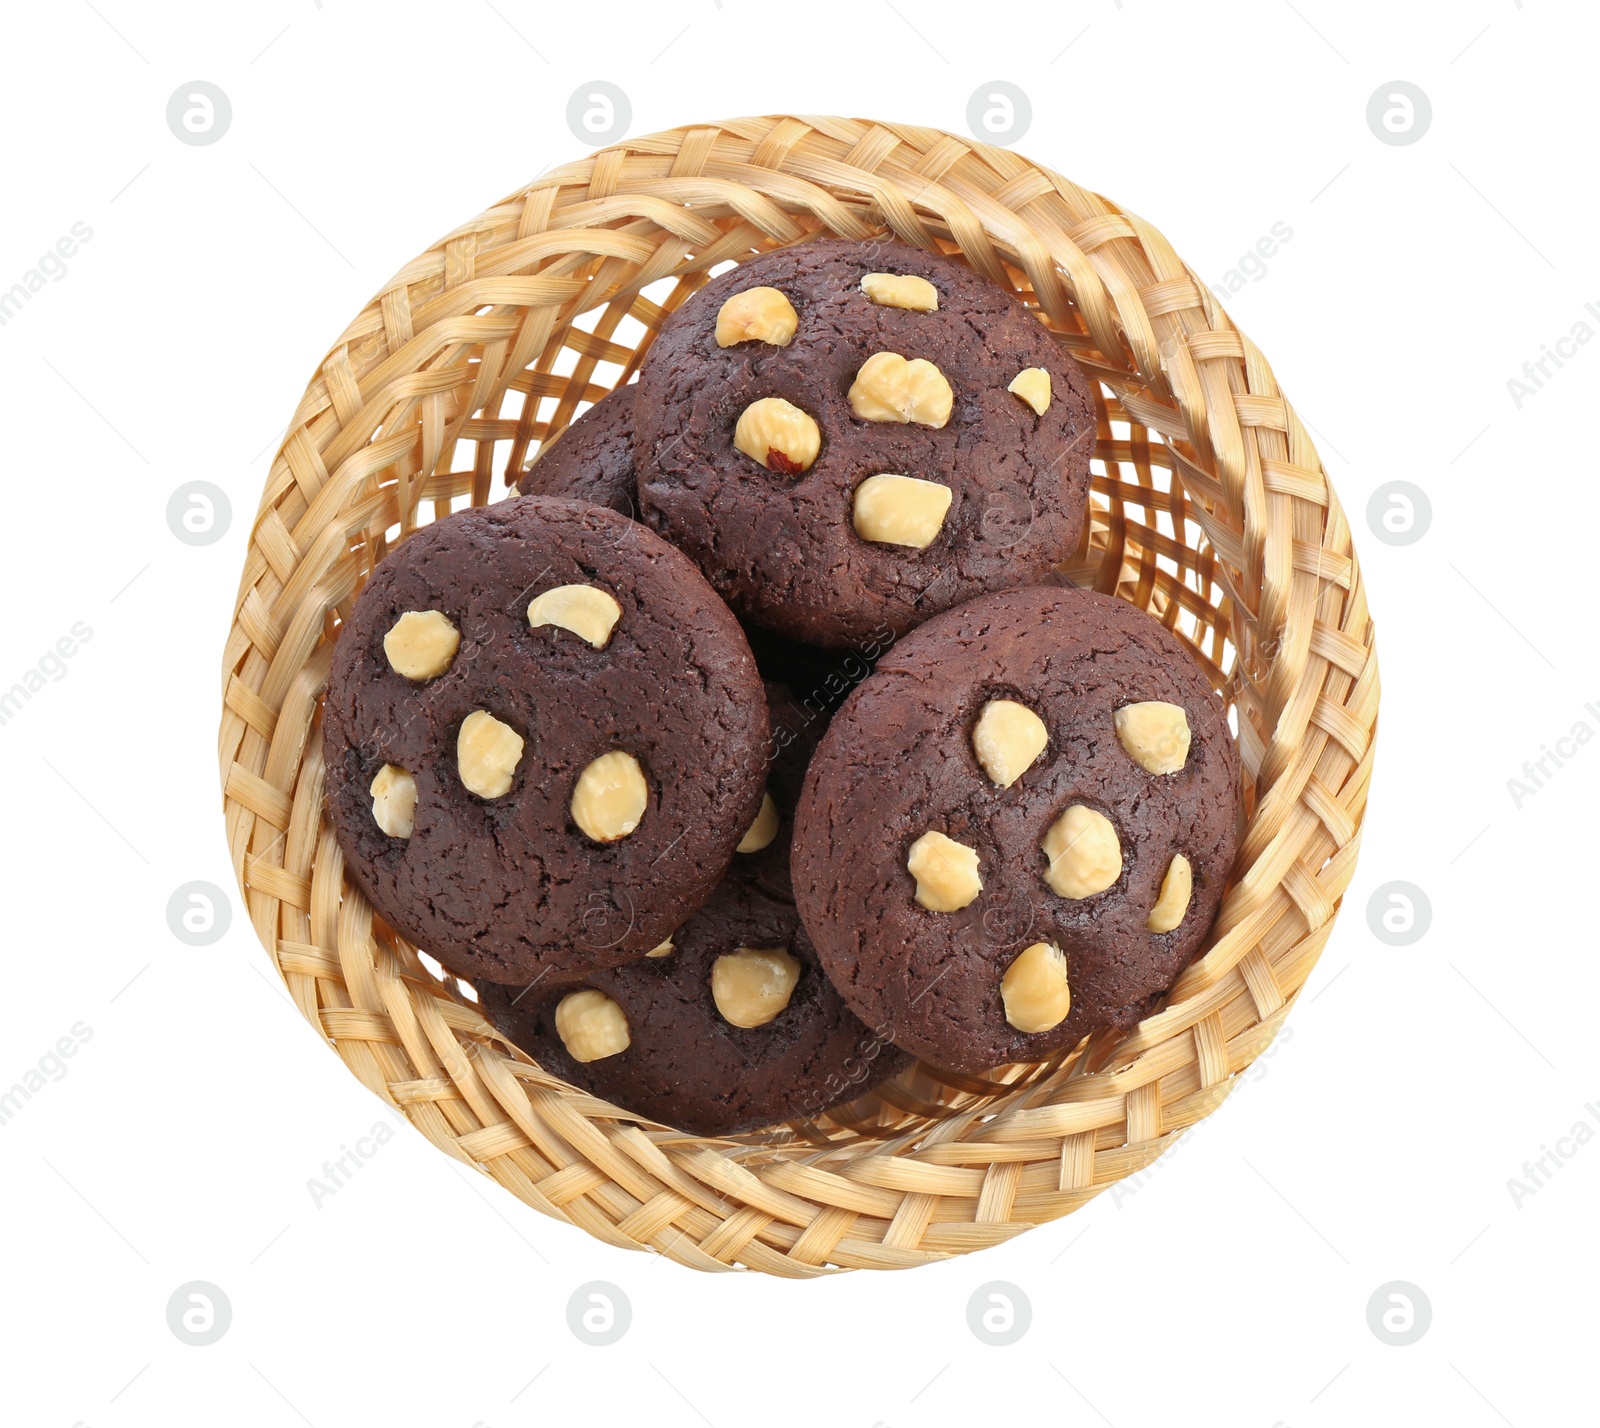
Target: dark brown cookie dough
{"x": 505, "y": 883}
{"x": 686, "y": 1063}
{"x": 899, "y": 761}
{"x": 783, "y": 549}
{"x": 592, "y": 460}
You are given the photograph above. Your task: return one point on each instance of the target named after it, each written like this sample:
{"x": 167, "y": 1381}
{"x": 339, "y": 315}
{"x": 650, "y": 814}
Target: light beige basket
{"x": 1210, "y": 510}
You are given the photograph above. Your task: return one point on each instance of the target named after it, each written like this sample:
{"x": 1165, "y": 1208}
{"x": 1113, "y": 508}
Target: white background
{"x": 1231, "y": 1285}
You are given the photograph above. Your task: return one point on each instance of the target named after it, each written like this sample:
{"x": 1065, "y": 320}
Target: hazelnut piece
{"x": 900, "y": 510}
{"x": 487, "y": 754}
{"x": 610, "y": 797}
{"x": 778, "y": 435}
{"x": 1155, "y": 734}
{"x": 394, "y": 801}
{"x": 591, "y": 1026}
{"x": 754, "y": 984}
{"x": 758, "y": 314}
{"x": 905, "y": 290}
{"x": 946, "y": 872}
{"x": 421, "y": 644}
{"x": 763, "y": 830}
{"x": 588, "y": 611}
{"x": 1032, "y": 384}
{"x": 1007, "y": 738}
{"x": 1085, "y": 856}
{"x": 889, "y": 388}
{"x": 1173, "y": 903}
{"x": 1035, "y": 990}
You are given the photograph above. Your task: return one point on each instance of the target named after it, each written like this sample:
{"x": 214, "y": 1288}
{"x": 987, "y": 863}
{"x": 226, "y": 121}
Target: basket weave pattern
{"x": 1210, "y": 509}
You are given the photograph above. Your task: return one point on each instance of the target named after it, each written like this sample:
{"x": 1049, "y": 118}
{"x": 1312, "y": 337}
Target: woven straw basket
{"x": 1210, "y": 509}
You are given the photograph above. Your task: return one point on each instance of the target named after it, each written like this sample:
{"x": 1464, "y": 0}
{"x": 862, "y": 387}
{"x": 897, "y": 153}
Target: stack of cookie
{"x": 756, "y": 745}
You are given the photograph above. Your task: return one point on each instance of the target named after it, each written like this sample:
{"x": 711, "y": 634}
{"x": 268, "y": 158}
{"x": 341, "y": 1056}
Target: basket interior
{"x": 1141, "y": 543}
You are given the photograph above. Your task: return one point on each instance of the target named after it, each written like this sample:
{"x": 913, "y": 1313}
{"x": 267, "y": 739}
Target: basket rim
{"x": 427, "y": 365}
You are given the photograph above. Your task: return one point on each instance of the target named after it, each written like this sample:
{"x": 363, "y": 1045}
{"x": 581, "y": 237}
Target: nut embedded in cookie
{"x": 394, "y": 801}
{"x": 778, "y": 435}
{"x": 1155, "y": 734}
{"x": 487, "y": 754}
{"x": 421, "y": 644}
{"x": 889, "y": 388}
{"x": 753, "y": 984}
{"x": 1173, "y": 903}
{"x": 610, "y": 797}
{"x": 900, "y": 510}
{"x": 1032, "y": 384}
{"x": 586, "y": 610}
{"x": 756, "y": 314}
{"x": 1084, "y": 852}
{"x": 591, "y": 1026}
{"x": 946, "y": 872}
{"x": 905, "y": 290}
{"x": 763, "y": 830}
{"x": 1007, "y": 738}
{"x": 1035, "y": 989}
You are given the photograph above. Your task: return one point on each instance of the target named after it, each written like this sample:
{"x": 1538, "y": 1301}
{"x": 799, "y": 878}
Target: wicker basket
{"x": 1210, "y": 509}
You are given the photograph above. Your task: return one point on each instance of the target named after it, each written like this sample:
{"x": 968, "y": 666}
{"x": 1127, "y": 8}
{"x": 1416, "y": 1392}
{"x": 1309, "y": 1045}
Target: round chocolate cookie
{"x": 732, "y": 1025}
{"x": 852, "y": 435}
{"x": 544, "y": 736}
{"x": 1018, "y": 829}
{"x": 592, "y": 460}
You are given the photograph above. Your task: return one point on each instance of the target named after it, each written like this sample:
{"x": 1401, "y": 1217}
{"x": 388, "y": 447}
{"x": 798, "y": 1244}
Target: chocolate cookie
{"x": 592, "y": 460}
{"x": 731, "y": 1026}
{"x": 544, "y": 736}
{"x": 840, "y": 456}
{"x": 1018, "y": 829}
